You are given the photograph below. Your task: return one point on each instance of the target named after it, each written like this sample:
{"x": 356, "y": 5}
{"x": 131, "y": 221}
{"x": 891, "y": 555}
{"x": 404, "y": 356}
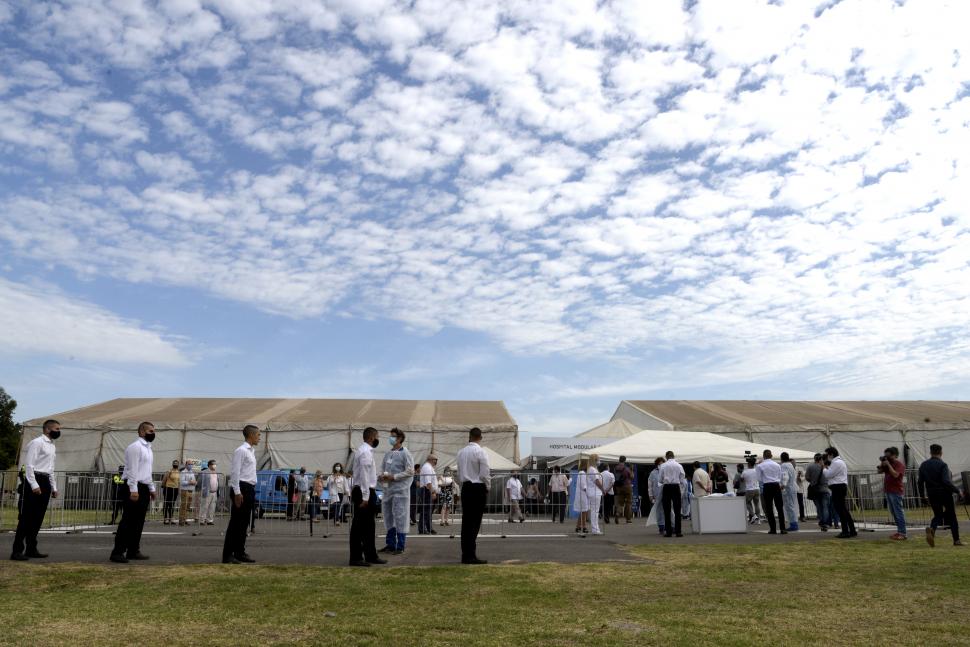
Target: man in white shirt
{"x": 242, "y": 493}
{"x": 701, "y": 480}
{"x": 474, "y": 476}
{"x": 363, "y": 549}
{"x": 837, "y": 475}
{"x": 209, "y": 494}
{"x": 428, "y": 486}
{"x": 769, "y": 475}
{"x": 609, "y": 479}
{"x": 671, "y": 474}
{"x": 513, "y": 492}
{"x": 752, "y": 491}
{"x": 559, "y": 492}
{"x": 139, "y": 461}
{"x": 39, "y": 485}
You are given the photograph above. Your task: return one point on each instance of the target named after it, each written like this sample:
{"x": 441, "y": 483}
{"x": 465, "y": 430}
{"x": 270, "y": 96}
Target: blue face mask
{"x": 392, "y": 440}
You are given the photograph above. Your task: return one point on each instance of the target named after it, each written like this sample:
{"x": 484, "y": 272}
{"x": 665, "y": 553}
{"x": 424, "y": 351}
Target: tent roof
{"x": 618, "y": 428}
{"x": 278, "y": 413}
{"x": 495, "y": 461}
{"x": 688, "y": 413}
{"x": 688, "y": 446}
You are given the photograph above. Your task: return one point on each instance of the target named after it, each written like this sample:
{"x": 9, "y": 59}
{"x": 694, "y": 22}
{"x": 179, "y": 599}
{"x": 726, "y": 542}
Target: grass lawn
{"x": 794, "y": 593}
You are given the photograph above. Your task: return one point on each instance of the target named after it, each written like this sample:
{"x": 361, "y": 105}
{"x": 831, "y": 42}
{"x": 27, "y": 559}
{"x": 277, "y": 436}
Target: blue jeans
{"x": 895, "y": 502}
{"x": 823, "y": 503}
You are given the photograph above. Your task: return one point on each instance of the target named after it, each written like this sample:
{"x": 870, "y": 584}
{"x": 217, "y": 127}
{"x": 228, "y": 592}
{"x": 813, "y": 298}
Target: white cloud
{"x": 41, "y": 321}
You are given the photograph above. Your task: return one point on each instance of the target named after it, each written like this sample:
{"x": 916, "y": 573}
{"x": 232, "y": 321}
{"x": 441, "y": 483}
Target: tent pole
{"x": 182, "y": 447}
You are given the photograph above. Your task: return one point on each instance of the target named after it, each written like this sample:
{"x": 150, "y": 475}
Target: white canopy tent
{"x": 688, "y": 446}
{"x": 496, "y": 462}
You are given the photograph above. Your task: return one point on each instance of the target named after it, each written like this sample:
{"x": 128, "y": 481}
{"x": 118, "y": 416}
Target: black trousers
{"x": 128, "y": 537}
{"x": 944, "y": 511}
{"x": 362, "y": 544}
{"x": 168, "y": 508}
{"x": 239, "y": 519}
{"x": 801, "y": 506}
{"x": 839, "y": 493}
{"x": 32, "y": 511}
{"x": 559, "y": 506}
{"x": 671, "y": 499}
{"x": 772, "y": 496}
{"x": 425, "y": 507}
{"x": 473, "y": 497}
{"x": 119, "y": 503}
{"x": 608, "y": 500}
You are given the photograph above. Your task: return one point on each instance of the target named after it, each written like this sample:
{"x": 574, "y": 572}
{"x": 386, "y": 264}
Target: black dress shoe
{"x": 119, "y": 558}
{"x": 377, "y": 561}
{"x": 386, "y": 549}
{"x": 231, "y": 560}
{"x": 245, "y": 559}
{"x": 139, "y": 556}
{"x": 433, "y": 531}
{"x": 36, "y": 554}
{"x": 784, "y": 532}
{"x": 474, "y": 560}
{"x": 680, "y": 534}
{"x": 18, "y": 557}
{"x": 843, "y": 535}
{"x": 358, "y": 562}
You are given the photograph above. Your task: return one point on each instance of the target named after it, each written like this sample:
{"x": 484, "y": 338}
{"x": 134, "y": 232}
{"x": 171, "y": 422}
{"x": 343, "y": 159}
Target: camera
{"x": 882, "y": 459}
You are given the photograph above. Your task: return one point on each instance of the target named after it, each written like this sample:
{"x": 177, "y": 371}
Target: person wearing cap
{"x": 40, "y": 486}
{"x": 170, "y": 492}
{"x": 427, "y": 491}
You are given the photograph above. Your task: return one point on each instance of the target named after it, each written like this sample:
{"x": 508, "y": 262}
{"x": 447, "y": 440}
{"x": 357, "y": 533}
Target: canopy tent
{"x": 688, "y": 446}
{"x": 314, "y": 433}
{"x": 496, "y": 462}
{"x": 617, "y": 428}
{"x": 860, "y": 430}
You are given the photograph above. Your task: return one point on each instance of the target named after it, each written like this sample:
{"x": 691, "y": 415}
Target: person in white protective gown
{"x": 397, "y": 471}
{"x": 789, "y": 491}
{"x": 581, "y": 497}
{"x": 594, "y": 485}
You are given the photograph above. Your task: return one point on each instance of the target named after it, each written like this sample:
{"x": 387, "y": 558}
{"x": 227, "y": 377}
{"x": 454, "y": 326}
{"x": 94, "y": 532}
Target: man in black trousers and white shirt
{"x": 475, "y": 477}
{"x": 242, "y": 493}
{"x": 363, "y": 496}
{"x": 671, "y": 474}
{"x": 769, "y": 474}
{"x": 139, "y": 461}
{"x": 39, "y": 486}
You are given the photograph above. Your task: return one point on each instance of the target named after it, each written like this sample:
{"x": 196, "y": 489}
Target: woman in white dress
{"x": 581, "y": 498}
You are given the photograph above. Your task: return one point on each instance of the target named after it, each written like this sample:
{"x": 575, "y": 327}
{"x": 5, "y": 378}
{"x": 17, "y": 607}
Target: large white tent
{"x": 688, "y": 446}
{"x": 315, "y": 433}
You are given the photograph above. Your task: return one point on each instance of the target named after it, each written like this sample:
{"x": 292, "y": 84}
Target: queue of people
{"x": 599, "y": 491}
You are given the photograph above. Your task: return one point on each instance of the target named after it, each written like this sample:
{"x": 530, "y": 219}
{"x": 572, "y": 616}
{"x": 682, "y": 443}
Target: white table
{"x": 718, "y": 514}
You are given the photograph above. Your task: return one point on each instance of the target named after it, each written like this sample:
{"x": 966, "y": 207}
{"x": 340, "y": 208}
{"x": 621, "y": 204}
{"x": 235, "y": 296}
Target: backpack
{"x": 620, "y": 474}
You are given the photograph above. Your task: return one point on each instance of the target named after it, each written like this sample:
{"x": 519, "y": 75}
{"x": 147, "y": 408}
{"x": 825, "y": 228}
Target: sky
{"x": 556, "y": 204}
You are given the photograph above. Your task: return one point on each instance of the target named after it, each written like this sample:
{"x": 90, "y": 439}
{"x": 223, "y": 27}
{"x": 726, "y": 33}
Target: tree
{"x": 9, "y": 431}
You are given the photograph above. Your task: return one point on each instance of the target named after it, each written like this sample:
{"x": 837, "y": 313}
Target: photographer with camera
{"x": 892, "y": 470}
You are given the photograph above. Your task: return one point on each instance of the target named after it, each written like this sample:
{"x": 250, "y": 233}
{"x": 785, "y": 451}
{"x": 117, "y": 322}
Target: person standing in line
{"x": 789, "y": 490}
{"x": 242, "y": 495}
{"x": 818, "y": 491}
{"x": 686, "y": 497}
{"x": 559, "y": 492}
{"x": 513, "y": 494}
{"x": 316, "y": 495}
{"x": 623, "y": 491}
{"x": 701, "y": 481}
{"x": 837, "y": 475}
{"x": 581, "y": 499}
{"x": 752, "y": 492}
{"x": 290, "y": 495}
{"x": 655, "y": 494}
{"x": 171, "y": 483}
{"x": 397, "y": 469}
{"x": 118, "y": 494}
{"x": 363, "y": 551}
{"x": 532, "y": 496}
{"x": 769, "y": 476}
{"x": 139, "y": 459}
{"x": 893, "y": 470}
{"x": 186, "y": 492}
{"x": 448, "y": 488}
{"x": 594, "y": 485}
{"x": 671, "y": 476}
{"x": 338, "y": 494}
{"x": 40, "y": 485}
{"x": 935, "y": 484}
{"x": 210, "y": 494}
{"x": 473, "y": 472}
{"x": 609, "y": 482}
{"x": 426, "y": 495}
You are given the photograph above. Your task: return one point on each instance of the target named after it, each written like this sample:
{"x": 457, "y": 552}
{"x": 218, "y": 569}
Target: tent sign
{"x": 559, "y": 446}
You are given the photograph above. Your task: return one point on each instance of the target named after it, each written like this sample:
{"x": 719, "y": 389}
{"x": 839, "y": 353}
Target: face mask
{"x": 336, "y": 469}
{"x": 55, "y": 434}
{"x": 392, "y": 440}
{"x": 374, "y": 443}
{"x": 150, "y": 436}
